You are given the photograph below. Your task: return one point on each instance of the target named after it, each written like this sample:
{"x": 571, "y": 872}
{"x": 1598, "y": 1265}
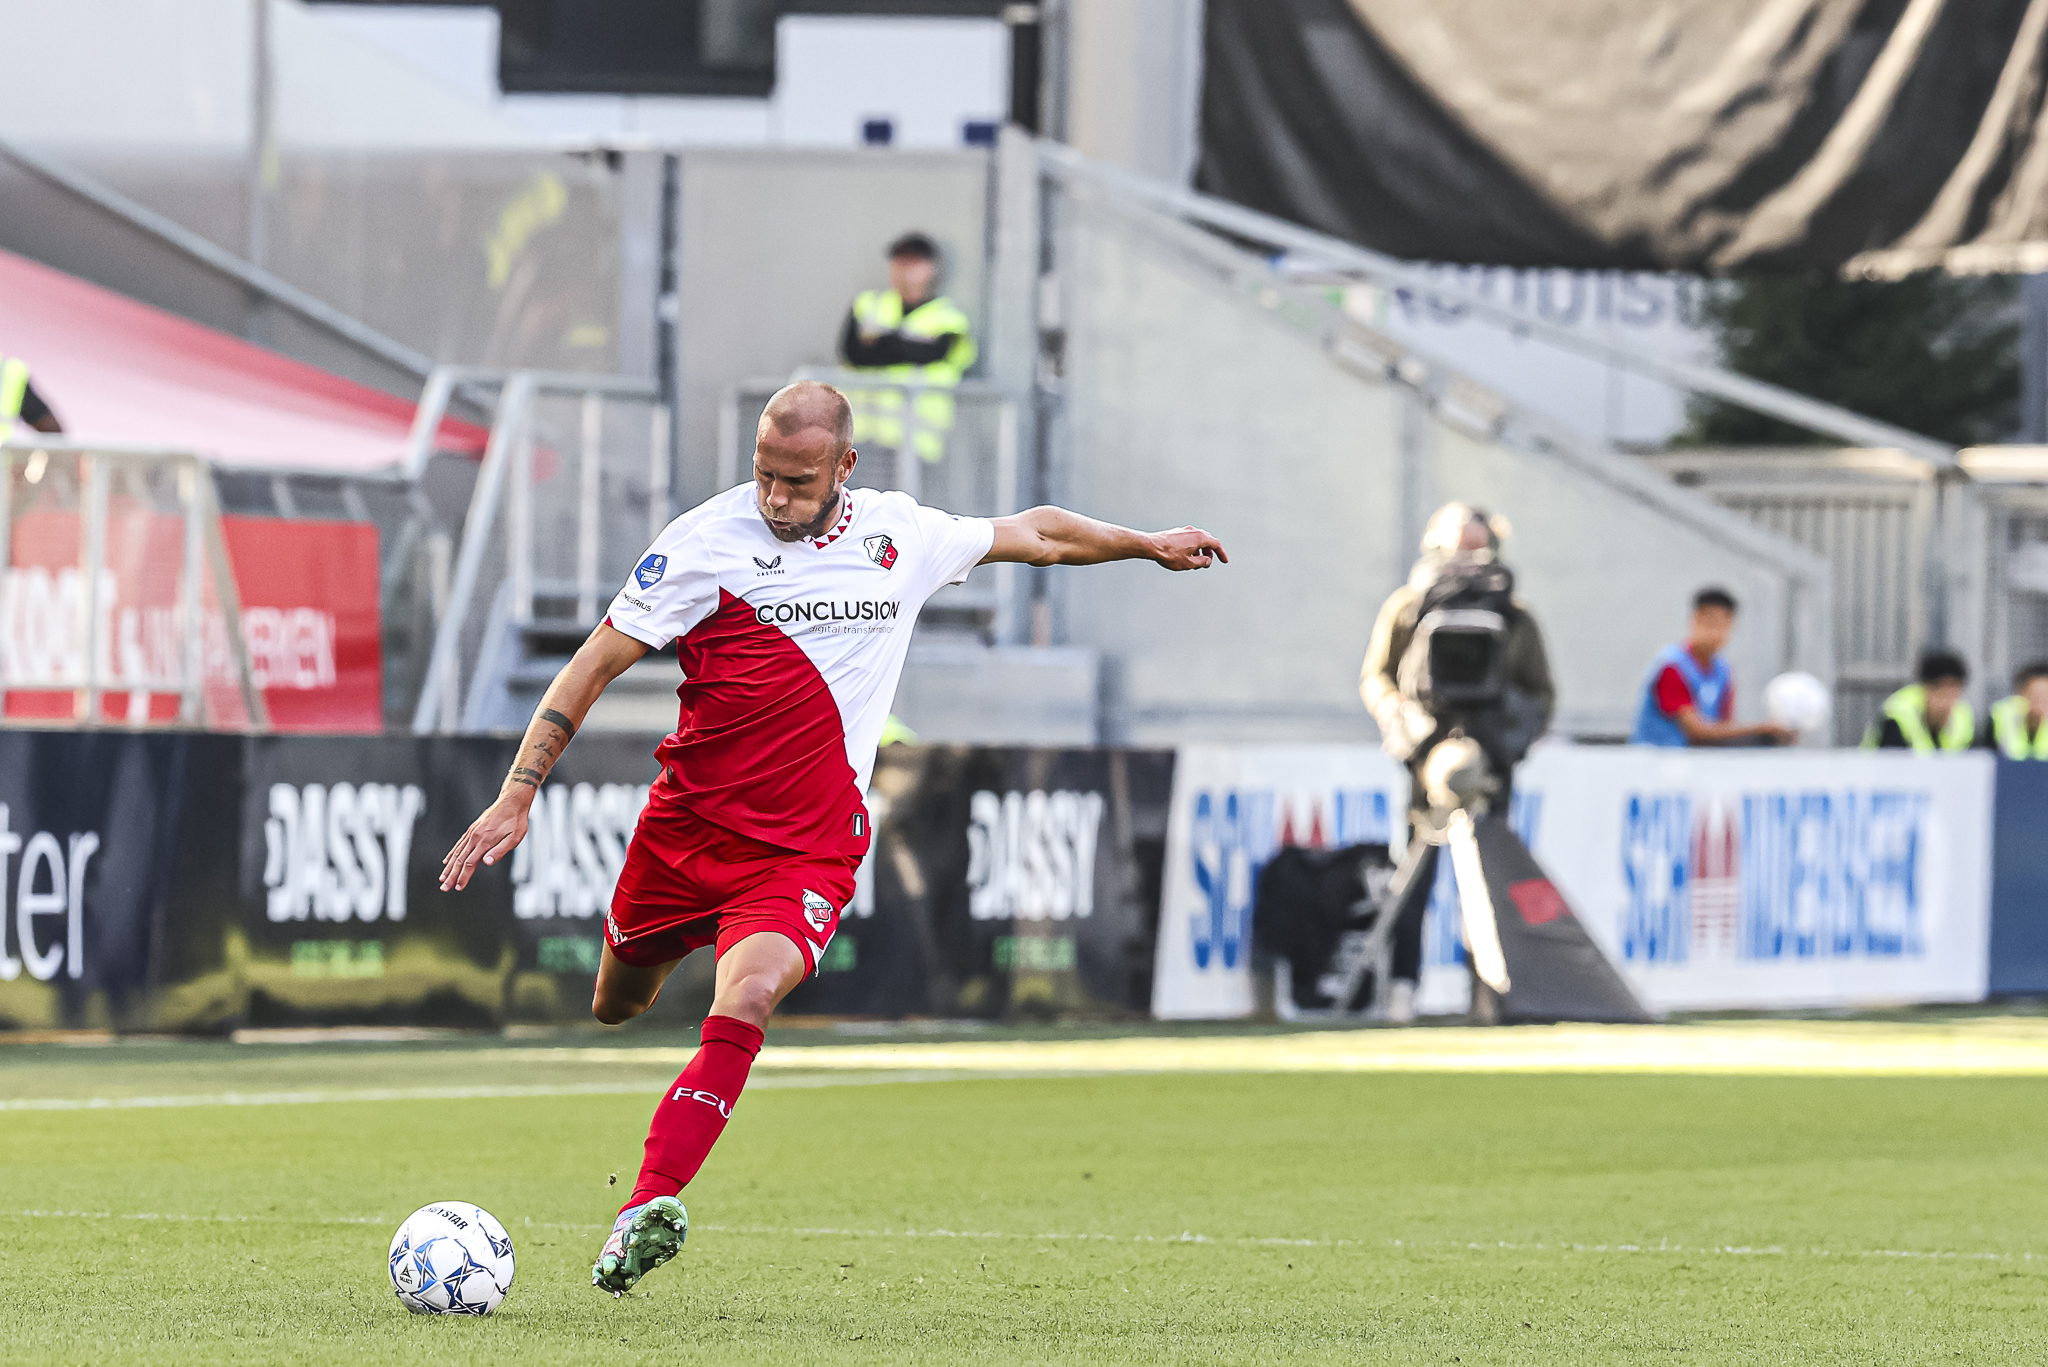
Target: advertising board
{"x": 311, "y": 620}
{"x": 341, "y": 914}
{"x": 1738, "y": 879}
{"x": 91, "y": 846}
{"x": 1003, "y": 883}
{"x": 199, "y": 882}
{"x": 1000, "y": 882}
{"x": 1232, "y": 808}
{"x": 1768, "y": 879}
{"x": 181, "y": 881}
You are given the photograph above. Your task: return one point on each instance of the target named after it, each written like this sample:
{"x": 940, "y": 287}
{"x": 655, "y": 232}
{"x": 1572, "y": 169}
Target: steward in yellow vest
{"x": 2019, "y": 724}
{"x": 19, "y": 400}
{"x": 1929, "y": 716}
{"x": 911, "y": 335}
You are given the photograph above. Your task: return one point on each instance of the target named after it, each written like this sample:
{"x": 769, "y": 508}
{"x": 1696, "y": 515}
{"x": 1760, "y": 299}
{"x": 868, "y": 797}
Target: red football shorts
{"x": 688, "y": 883}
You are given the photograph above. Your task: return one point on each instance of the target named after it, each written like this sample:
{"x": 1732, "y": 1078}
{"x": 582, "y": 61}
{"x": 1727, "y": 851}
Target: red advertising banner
{"x": 310, "y": 619}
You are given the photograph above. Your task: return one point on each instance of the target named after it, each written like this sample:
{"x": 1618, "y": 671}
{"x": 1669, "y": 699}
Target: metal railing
{"x": 1307, "y": 249}
{"x": 137, "y": 520}
{"x": 1213, "y": 236}
{"x": 981, "y": 437}
{"x": 1893, "y": 528}
{"x": 509, "y": 476}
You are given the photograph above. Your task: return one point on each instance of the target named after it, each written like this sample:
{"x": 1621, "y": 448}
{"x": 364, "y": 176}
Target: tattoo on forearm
{"x": 538, "y": 756}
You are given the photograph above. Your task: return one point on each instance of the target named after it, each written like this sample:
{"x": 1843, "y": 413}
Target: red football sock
{"x": 693, "y": 1113}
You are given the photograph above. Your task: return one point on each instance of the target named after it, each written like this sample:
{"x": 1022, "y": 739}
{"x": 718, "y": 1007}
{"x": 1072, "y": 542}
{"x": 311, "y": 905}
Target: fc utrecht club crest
{"x": 817, "y": 911}
{"x": 881, "y": 550}
{"x": 649, "y": 571}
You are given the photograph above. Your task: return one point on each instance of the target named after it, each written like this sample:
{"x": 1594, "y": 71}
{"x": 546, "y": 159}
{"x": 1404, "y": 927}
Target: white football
{"x": 451, "y": 1258}
{"x": 1799, "y": 701}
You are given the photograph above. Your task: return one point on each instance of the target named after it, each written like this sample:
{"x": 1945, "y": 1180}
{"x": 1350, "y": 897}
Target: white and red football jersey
{"x": 790, "y": 653}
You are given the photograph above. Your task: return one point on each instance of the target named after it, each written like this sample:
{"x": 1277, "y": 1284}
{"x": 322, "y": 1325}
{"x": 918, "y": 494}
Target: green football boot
{"x": 644, "y": 1237}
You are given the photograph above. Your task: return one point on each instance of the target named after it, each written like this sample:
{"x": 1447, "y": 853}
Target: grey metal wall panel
{"x": 1198, "y": 389}
{"x": 775, "y": 244}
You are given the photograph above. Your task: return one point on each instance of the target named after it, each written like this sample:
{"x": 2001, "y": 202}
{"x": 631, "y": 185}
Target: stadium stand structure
{"x": 1159, "y": 368}
{"x": 1192, "y": 364}
{"x": 1148, "y": 353}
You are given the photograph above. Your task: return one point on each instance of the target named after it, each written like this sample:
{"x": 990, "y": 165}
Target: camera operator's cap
{"x": 1446, "y": 528}
{"x": 914, "y": 244}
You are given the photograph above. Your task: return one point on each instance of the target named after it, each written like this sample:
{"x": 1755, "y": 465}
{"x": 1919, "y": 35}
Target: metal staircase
{"x": 570, "y": 516}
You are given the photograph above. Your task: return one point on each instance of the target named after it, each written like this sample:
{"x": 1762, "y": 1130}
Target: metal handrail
{"x": 1184, "y": 216}
{"x": 726, "y": 469}
{"x": 1626, "y": 475}
{"x": 1321, "y": 249}
{"x": 436, "y": 708}
{"x": 444, "y": 380}
{"x": 507, "y": 476}
{"x": 204, "y": 550}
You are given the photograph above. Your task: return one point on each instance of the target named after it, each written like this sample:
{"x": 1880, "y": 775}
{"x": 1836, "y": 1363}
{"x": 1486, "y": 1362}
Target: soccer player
{"x": 791, "y": 603}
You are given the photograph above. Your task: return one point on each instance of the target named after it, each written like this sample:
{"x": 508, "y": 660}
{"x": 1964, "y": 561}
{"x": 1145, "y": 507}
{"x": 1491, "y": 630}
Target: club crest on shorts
{"x": 649, "y": 571}
{"x": 817, "y": 911}
{"x": 881, "y": 550}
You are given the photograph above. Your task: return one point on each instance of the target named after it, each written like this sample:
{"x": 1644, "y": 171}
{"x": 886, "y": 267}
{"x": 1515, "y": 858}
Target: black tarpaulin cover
{"x": 1871, "y": 136}
{"x": 1555, "y": 970}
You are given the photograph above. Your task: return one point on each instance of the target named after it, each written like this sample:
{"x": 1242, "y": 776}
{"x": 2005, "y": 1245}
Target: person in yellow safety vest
{"x": 1928, "y": 716}
{"x": 2019, "y": 724}
{"x": 912, "y": 335}
{"x": 18, "y": 399}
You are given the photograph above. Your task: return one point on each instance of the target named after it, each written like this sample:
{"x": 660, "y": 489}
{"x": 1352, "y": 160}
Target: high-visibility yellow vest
{"x": 2009, "y": 729}
{"x": 13, "y": 389}
{"x": 1908, "y": 707}
{"x": 878, "y": 415}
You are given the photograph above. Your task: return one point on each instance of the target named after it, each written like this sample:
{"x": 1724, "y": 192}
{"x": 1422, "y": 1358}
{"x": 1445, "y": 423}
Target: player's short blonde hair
{"x": 811, "y": 403}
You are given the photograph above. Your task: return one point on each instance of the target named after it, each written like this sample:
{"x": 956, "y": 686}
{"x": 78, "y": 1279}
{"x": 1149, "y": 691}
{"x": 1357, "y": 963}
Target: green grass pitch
{"x": 1256, "y": 1218}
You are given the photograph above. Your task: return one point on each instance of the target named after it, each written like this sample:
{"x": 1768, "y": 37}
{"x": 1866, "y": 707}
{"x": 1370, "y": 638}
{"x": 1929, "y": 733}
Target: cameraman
{"x": 1489, "y": 693}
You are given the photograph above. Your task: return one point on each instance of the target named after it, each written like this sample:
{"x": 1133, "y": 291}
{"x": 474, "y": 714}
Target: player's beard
{"x": 814, "y": 528}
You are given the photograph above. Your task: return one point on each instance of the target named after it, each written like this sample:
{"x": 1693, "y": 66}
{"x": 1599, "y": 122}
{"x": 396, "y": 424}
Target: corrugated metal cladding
{"x": 1874, "y": 539}
{"x": 1874, "y": 520}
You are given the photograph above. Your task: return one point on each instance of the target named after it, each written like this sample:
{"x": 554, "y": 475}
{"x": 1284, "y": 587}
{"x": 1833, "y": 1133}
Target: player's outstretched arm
{"x": 1054, "y": 536}
{"x": 562, "y": 709}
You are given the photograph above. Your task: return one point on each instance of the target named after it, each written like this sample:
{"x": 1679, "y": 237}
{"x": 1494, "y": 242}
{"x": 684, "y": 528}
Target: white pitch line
{"x": 650, "y": 1087}
{"x": 1184, "y": 1237}
{"x": 1189, "y": 1237}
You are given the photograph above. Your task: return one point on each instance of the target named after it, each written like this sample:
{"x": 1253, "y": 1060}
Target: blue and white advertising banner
{"x": 1713, "y": 880}
{"x": 1233, "y": 807}
{"x": 1771, "y": 879}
